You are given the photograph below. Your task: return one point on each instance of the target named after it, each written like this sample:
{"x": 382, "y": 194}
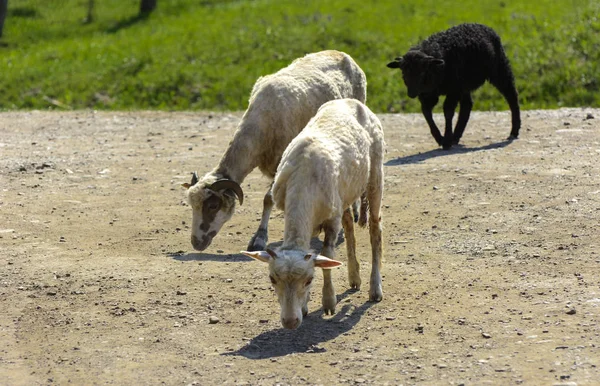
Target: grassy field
{"x": 206, "y": 55}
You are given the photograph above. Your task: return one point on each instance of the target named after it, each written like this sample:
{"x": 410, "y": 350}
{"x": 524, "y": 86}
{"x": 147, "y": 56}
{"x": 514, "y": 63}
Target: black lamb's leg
{"x": 427, "y": 104}
{"x": 466, "y": 104}
{"x": 504, "y": 81}
{"x": 449, "y": 108}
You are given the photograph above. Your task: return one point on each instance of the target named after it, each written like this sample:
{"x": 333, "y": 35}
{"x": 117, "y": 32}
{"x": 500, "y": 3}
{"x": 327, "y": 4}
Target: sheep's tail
{"x": 364, "y": 211}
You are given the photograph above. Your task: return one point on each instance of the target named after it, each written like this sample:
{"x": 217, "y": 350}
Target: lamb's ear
{"x": 436, "y": 62}
{"x": 326, "y": 262}
{"x": 397, "y": 63}
{"x": 263, "y": 256}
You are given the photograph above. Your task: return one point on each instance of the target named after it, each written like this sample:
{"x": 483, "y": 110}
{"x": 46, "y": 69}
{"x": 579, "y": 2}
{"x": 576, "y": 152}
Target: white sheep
{"x": 280, "y": 105}
{"x": 324, "y": 170}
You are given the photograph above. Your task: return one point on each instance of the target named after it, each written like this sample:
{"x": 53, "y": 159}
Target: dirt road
{"x": 491, "y": 270}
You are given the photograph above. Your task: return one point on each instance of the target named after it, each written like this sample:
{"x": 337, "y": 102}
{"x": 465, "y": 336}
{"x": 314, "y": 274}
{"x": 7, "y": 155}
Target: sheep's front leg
{"x": 329, "y": 300}
{"x": 353, "y": 265}
{"x": 427, "y": 104}
{"x": 466, "y": 104}
{"x": 258, "y": 242}
{"x": 305, "y": 306}
{"x": 449, "y": 108}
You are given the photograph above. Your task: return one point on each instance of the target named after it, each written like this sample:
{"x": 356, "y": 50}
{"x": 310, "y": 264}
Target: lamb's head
{"x": 291, "y": 272}
{"x": 422, "y": 73}
{"x": 213, "y": 203}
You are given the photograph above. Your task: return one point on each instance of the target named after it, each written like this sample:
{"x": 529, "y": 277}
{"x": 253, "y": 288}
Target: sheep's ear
{"x": 437, "y": 62}
{"x": 397, "y": 63}
{"x": 326, "y": 262}
{"x": 194, "y": 181}
{"x": 263, "y": 256}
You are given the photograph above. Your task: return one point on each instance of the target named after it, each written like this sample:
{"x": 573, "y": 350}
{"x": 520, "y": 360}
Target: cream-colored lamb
{"x": 324, "y": 170}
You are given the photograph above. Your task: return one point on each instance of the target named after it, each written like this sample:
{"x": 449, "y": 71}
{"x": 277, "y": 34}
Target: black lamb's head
{"x": 422, "y": 73}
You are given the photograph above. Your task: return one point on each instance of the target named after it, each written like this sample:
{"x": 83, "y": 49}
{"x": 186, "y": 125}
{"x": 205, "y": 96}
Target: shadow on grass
{"x": 128, "y": 22}
{"x": 456, "y": 149}
{"x": 306, "y": 339}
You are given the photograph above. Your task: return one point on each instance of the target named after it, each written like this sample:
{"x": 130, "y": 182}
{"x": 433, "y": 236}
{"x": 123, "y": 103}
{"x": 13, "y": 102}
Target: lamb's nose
{"x": 290, "y": 323}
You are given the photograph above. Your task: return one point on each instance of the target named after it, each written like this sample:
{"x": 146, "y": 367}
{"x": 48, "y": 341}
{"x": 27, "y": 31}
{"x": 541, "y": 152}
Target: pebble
{"x": 571, "y": 311}
{"x": 486, "y": 335}
{"x": 213, "y": 320}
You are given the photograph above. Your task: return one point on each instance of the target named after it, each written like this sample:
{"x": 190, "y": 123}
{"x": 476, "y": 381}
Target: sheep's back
{"x": 281, "y": 104}
{"x": 330, "y": 160}
{"x": 470, "y": 51}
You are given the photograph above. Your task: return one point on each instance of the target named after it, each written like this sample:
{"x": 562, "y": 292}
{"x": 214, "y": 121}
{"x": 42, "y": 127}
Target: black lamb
{"x": 455, "y": 63}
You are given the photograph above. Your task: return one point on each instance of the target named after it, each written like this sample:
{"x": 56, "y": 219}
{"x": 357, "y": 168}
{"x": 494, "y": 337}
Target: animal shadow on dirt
{"x": 306, "y": 339}
{"x": 456, "y": 149}
{"x": 195, "y": 256}
{"x": 315, "y": 244}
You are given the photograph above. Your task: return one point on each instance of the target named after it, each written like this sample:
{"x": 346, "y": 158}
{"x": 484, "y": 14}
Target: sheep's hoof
{"x": 328, "y": 311}
{"x": 375, "y": 294}
{"x": 304, "y": 310}
{"x": 355, "y": 282}
{"x": 258, "y": 242}
{"x": 329, "y": 305}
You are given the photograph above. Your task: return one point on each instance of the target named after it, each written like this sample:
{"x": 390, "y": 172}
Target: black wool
{"x": 455, "y": 63}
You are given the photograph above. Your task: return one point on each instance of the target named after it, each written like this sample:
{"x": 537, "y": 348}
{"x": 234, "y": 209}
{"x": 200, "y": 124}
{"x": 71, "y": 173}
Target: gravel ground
{"x": 491, "y": 267}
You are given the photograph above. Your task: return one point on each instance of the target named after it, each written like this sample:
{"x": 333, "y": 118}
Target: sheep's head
{"x": 422, "y": 74}
{"x": 213, "y": 204}
{"x": 291, "y": 272}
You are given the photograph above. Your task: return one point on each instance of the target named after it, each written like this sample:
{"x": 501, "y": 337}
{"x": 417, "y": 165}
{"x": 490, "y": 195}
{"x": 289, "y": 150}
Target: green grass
{"x": 191, "y": 54}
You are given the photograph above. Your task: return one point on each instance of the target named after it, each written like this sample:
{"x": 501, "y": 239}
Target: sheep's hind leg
{"x": 427, "y": 104}
{"x": 505, "y": 83}
{"x": 329, "y": 300}
{"x": 466, "y": 105}
{"x": 353, "y": 265}
{"x": 258, "y": 242}
{"x": 374, "y": 196}
{"x": 449, "y": 108}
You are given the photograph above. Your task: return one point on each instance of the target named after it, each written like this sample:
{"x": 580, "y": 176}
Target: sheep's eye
{"x": 272, "y": 279}
{"x": 308, "y": 282}
{"x": 213, "y": 203}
